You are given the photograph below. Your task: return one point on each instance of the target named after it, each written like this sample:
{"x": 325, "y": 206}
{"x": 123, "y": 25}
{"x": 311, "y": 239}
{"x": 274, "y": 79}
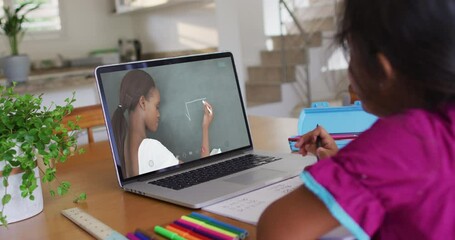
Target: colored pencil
{"x": 189, "y": 231}
{"x": 131, "y": 236}
{"x": 202, "y": 230}
{"x": 335, "y": 136}
{"x": 142, "y": 234}
{"x": 168, "y": 234}
{"x": 208, "y": 226}
{"x": 184, "y": 234}
{"x": 241, "y": 232}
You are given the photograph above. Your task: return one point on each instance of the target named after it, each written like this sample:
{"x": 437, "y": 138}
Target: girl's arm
{"x": 298, "y": 215}
{"x": 207, "y": 120}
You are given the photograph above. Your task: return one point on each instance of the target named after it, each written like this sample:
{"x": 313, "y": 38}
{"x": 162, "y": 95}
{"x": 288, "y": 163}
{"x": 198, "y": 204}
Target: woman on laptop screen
{"x": 140, "y": 98}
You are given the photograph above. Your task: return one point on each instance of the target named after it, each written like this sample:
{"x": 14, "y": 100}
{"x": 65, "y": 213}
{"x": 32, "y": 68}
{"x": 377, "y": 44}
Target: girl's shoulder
{"x": 419, "y": 121}
{"x": 409, "y": 140}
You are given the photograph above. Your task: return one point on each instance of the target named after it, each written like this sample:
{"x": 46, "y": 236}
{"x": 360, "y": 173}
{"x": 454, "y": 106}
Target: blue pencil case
{"x": 345, "y": 119}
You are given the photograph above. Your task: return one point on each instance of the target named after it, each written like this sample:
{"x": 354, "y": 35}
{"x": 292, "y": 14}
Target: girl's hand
{"x": 308, "y": 143}
{"x": 208, "y": 114}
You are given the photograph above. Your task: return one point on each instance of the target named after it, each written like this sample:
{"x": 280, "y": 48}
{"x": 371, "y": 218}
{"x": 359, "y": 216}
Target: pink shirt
{"x": 396, "y": 180}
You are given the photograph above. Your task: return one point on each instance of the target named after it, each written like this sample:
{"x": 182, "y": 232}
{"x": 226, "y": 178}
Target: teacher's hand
{"x": 208, "y": 114}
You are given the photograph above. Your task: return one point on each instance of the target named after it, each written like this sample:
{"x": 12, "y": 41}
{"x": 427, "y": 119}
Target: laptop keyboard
{"x": 214, "y": 171}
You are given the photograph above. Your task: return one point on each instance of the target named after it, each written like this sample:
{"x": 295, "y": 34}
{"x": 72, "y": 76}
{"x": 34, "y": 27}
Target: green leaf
{"x": 9, "y": 155}
{"x": 6, "y": 198}
{"x": 36, "y": 130}
{"x": 71, "y": 125}
{"x": 81, "y": 150}
{"x": 49, "y": 175}
{"x": 80, "y": 198}
{"x": 3, "y": 220}
{"x": 63, "y": 188}
{"x": 66, "y": 152}
{"x": 5, "y": 182}
{"x": 66, "y": 184}
{"x": 7, "y": 170}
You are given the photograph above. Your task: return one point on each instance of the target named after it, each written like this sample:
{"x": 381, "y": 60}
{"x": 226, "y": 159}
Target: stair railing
{"x": 302, "y": 75}
{"x": 301, "y": 84}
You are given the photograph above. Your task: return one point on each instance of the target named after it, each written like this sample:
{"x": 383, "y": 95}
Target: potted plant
{"x": 16, "y": 67}
{"x": 33, "y": 140}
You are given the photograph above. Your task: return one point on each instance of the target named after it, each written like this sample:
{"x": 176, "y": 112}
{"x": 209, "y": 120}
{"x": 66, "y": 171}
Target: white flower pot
{"x": 21, "y": 208}
{"x": 16, "y": 68}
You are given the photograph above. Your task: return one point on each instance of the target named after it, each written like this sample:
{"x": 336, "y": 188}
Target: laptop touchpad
{"x": 255, "y": 176}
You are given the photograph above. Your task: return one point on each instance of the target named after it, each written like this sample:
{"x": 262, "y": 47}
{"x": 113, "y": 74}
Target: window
{"x": 42, "y": 20}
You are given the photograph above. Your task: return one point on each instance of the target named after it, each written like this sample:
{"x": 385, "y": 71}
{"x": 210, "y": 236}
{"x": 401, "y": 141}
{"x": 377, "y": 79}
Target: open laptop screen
{"x": 187, "y": 90}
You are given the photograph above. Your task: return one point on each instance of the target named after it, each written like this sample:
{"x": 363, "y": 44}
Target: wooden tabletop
{"x": 94, "y": 174}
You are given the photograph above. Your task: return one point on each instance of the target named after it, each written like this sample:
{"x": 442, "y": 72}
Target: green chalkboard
{"x": 182, "y": 87}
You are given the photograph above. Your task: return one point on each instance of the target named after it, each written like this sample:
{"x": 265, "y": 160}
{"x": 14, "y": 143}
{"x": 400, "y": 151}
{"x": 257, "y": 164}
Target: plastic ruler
{"x": 92, "y": 225}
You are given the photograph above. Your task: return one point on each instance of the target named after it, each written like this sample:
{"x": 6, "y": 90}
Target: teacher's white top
{"x": 152, "y": 155}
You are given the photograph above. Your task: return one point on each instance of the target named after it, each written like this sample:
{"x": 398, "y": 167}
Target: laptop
{"x": 191, "y": 90}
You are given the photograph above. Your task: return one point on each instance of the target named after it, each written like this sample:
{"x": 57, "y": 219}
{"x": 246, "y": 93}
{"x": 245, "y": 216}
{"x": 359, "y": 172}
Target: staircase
{"x": 264, "y": 81}
{"x": 287, "y": 61}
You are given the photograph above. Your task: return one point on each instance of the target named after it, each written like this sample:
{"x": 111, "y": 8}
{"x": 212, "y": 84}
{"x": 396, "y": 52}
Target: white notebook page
{"x": 249, "y": 207}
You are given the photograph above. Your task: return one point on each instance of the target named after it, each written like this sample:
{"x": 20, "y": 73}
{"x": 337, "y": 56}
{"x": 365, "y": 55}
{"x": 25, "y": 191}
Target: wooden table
{"x": 93, "y": 173}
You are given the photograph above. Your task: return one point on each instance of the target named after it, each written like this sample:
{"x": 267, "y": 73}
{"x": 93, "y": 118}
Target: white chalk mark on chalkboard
{"x": 186, "y": 106}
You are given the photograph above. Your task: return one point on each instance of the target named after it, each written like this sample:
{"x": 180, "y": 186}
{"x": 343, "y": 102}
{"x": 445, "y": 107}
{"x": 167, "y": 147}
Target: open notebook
{"x": 249, "y": 207}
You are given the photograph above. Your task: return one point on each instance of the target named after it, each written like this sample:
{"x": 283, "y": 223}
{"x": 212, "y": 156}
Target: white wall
{"x": 179, "y": 27}
{"x": 241, "y": 30}
{"x": 252, "y": 36}
{"x": 88, "y": 25}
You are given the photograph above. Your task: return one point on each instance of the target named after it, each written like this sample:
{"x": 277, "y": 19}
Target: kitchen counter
{"x": 56, "y": 85}
{"x": 55, "y": 79}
